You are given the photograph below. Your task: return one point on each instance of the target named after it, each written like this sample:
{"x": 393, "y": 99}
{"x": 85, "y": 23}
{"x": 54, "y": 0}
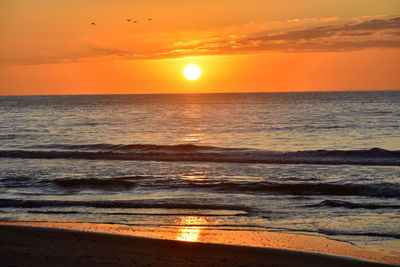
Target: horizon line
{"x": 195, "y": 93}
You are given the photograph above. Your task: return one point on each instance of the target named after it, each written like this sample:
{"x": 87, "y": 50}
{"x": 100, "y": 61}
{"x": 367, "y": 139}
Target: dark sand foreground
{"x": 32, "y": 246}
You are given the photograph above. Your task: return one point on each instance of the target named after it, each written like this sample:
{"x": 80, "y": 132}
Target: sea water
{"x": 317, "y": 163}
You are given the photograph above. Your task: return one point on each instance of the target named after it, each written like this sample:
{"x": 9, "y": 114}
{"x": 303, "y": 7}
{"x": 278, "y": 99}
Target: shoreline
{"x": 160, "y": 245}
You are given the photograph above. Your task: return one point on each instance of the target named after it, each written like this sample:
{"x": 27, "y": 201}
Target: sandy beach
{"x": 41, "y": 246}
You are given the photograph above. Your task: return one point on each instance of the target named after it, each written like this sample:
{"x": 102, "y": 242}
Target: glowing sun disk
{"x": 192, "y": 72}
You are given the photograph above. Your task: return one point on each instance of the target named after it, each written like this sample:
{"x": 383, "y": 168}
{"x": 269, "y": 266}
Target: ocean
{"x": 314, "y": 163}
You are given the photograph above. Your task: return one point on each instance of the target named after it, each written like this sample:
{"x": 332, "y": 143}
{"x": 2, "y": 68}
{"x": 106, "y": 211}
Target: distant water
{"x": 324, "y": 163}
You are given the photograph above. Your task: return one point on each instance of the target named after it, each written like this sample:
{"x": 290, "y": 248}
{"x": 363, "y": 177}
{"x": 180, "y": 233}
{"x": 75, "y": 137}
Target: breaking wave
{"x": 387, "y": 190}
{"x": 196, "y": 153}
{"x": 336, "y": 232}
{"x": 94, "y": 182}
{"x": 383, "y": 190}
{"x": 126, "y": 182}
{"x": 352, "y": 205}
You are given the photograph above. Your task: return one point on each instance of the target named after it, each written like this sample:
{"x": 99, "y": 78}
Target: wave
{"x": 94, "y": 182}
{"x": 383, "y": 190}
{"x": 126, "y": 182}
{"x": 120, "y": 204}
{"x": 352, "y": 205}
{"x": 131, "y": 147}
{"x": 54, "y": 212}
{"x": 215, "y": 213}
{"x": 337, "y": 232}
{"x": 387, "y": 190}
{"x": 196, "y": 153}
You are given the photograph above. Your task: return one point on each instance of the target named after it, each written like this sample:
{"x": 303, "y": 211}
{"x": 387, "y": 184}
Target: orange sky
{"x": 50, "y": 47}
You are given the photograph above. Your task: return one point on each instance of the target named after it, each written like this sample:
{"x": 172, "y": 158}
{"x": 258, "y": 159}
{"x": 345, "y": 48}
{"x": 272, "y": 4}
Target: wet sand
{"x": 45, "y": 246}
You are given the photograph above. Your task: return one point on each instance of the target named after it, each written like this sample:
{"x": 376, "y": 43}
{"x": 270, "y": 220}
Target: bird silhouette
{"x": 128, "y": 20}
{"x": 135, "y": 21}
{"x": 149, "y": 19}
{"x": 93, "y": 24}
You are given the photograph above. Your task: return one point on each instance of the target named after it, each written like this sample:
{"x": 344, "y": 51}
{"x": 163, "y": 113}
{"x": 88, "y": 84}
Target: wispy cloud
{"x": 375, "y": 33}
{"x": 78, "y": 53}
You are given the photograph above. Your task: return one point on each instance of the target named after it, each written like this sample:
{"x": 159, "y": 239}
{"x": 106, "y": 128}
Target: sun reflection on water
{"x": 190, "y": 230}
{"x": 192, "y": 137}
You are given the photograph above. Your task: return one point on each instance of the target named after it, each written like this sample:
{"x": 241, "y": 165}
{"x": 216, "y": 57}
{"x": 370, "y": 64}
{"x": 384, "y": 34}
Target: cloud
{"x": 76, "y": 53}
{"x": 375, "y": 33}
{"x": 326, "y": 19}
{"x": 363, "y": 33}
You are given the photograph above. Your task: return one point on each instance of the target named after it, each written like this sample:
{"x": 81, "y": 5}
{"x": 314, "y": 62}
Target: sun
{"x": 192, "y": 72}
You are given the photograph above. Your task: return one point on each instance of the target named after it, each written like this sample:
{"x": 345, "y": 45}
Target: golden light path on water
{"x": 190, "y": 230}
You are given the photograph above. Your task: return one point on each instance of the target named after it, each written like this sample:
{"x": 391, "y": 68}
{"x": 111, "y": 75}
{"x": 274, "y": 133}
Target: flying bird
{"x": 135, "y": 21}
{"x": 93, "y": 24}
{"x": 149, "y": 19}
{"x": 128, "y": 20}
